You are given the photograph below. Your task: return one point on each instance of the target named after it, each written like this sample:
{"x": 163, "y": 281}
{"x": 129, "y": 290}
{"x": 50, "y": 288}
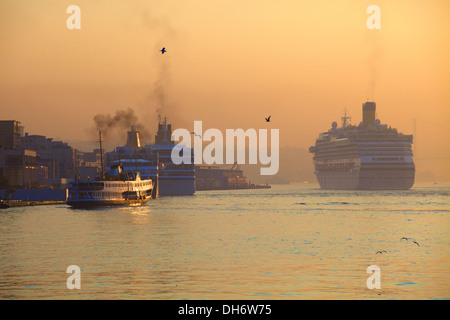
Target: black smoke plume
{"x": 117, "y": 125}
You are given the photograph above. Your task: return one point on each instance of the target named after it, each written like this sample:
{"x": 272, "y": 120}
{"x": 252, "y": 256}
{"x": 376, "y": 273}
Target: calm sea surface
{"x": 288, "y": 242}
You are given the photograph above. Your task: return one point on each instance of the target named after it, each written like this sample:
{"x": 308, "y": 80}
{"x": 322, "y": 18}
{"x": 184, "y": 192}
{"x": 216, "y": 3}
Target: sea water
{"x": 287, "y": 242}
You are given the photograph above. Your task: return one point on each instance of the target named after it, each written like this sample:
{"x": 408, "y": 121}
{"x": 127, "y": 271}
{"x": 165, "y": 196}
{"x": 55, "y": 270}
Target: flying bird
{"x": 267, "y": 119}
{"x": 413, "y": 240}
{"x": 163, "y": 50}
{"x": 384, "y": 251}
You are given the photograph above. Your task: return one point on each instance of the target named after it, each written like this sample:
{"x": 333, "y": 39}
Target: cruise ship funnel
{"x": 369, "y": 113}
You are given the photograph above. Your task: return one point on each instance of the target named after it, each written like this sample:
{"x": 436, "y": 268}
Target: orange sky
{"x": 230, "y": 64}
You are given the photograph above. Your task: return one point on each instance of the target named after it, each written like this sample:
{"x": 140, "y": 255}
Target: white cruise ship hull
{"x": 367, "y": 180}
{"x": 174, "y": 187}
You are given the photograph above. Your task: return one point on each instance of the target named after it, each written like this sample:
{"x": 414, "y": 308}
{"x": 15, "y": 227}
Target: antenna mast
{"x": 345, "y": 118}
{"x": 101, "y": 154}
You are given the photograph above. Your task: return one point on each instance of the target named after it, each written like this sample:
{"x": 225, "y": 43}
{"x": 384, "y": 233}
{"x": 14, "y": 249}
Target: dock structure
{"x": 216, "y": 178}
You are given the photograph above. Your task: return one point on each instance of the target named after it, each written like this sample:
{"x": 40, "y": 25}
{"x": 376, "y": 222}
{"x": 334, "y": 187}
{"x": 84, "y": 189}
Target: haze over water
{"x": 288, "y": 242}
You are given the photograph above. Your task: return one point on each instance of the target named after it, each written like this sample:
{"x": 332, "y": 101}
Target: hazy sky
{"x": 229, "y": 63}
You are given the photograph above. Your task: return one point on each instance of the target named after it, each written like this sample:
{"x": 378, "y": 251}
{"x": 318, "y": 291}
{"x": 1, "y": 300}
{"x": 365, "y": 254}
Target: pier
{"x": 4, "y": 204}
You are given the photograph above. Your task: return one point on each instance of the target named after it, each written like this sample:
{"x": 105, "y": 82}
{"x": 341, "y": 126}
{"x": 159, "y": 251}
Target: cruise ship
{"x": 174, "y": 179}
{"x": 370, "y": 156}
{"x": 154, "y": 161}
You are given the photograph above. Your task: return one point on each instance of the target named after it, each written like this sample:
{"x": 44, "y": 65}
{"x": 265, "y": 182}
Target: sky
{"x": 230, "y": 64}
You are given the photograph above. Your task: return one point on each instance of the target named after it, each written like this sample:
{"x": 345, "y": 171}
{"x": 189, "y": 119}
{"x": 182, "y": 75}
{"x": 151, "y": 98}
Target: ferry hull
{"x": 105, "y": 203}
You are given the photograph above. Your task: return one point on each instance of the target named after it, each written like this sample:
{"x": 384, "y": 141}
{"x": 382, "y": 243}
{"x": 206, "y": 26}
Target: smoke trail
{"x": 160, "y": 97}
{"x": 113, "y": 126}
{"x": 375, "y": 52}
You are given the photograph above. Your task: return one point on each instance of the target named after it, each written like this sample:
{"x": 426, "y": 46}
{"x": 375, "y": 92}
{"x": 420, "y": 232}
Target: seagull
{"x": 381, "y": 251}
{"x": 267, "y": 119}
{"x": 163, "y": 50}
{"x": 197, "y": 135}
{"x": 413, "y": 240}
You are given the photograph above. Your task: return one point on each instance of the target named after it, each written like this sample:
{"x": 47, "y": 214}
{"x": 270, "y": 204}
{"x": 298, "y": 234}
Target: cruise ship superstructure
{"x": 174, "y": 179}
{"x": 370, "y": 156}
{"x": 154, "y": 162}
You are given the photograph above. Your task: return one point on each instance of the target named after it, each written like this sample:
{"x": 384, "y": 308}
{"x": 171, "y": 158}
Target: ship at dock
{"x": 368, "y": 156}
{"x": 154, "y": 161}
{"x": 209, "y": 177}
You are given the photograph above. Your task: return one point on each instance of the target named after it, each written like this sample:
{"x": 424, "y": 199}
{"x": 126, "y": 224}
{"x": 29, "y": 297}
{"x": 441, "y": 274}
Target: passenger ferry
{"x": 110, "y": 192}
{"x": 120, "y": 187}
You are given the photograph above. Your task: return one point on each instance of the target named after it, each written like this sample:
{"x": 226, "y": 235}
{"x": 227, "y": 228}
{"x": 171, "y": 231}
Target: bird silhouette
{"x": 412, "y": 239}
{"x": 384, "y": 251}
{"x": 267, "y": 119}
{"x": 163, "y": 50}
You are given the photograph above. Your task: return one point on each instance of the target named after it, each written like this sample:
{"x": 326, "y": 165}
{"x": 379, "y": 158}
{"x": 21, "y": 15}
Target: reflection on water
{"x": 288, "y": 242}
